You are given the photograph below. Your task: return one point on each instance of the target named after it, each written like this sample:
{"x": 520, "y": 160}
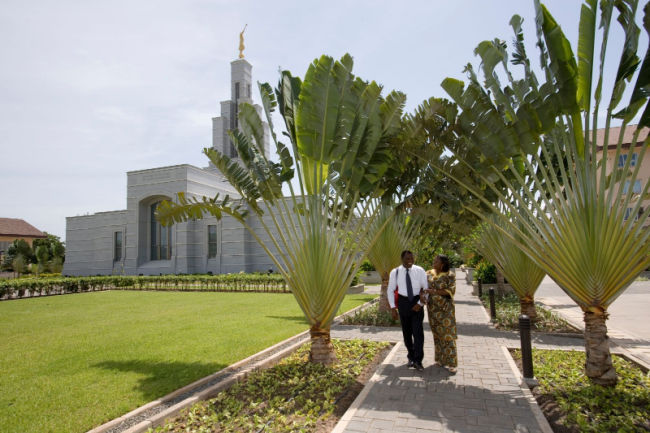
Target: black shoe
{"x": 418, "y": 366}
{"x": 410, "y": 364}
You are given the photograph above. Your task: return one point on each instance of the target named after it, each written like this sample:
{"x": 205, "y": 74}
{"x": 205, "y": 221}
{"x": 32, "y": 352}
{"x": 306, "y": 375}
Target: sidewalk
{"x": 484, "y": 396}
{"x": 629, "y": 315}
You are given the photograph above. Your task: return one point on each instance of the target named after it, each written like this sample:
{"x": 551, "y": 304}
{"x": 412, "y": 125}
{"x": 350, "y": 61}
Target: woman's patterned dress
{"x": 442, "y": 318}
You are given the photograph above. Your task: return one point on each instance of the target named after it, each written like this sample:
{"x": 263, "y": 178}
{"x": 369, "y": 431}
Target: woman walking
{"x": 442, "y": 314}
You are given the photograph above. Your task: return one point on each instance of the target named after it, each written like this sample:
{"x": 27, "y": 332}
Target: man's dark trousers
{"x": 412, "y": 327}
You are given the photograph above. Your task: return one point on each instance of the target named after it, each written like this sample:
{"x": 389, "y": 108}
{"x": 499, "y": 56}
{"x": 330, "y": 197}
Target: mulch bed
{"x": 286, "y": 392}
{"x": 554, "y": 414}
{"x": 353, "y": 391}
{"x": 558, "y": 417}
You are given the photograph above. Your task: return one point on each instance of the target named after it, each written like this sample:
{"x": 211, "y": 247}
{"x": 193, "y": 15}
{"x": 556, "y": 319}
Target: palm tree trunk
{"x": 322, "y": 351}
{"x": 527, "y": 304}
{"x": 500, "y": 282}
{"x": 383, "y": 297}
{"x": 598, "y": 366}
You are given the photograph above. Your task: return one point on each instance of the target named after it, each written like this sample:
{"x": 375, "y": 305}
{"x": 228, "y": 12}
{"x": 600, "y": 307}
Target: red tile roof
{"x": 18, "y": 227}
{"x": 627, "y": 136}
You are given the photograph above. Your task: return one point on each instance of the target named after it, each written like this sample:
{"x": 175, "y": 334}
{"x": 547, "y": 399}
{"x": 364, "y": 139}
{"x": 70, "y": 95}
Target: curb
{"x": 352, "y": 410}
{"x": 237, "y": 371}
{"x": 544, "y": 426}
{"x": 616, "y": 346}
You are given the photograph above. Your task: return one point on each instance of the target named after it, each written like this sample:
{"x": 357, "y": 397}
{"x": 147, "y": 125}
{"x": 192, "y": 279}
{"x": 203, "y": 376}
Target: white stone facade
{"x": 93, "y": 241}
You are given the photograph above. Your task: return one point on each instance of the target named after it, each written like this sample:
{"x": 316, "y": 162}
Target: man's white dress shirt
{"x": 418, "y": 282}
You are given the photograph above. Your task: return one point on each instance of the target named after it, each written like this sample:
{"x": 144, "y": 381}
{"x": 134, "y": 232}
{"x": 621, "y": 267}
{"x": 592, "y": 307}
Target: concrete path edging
{"x": 617, "y": 343}
{"x": 534, "y": 406}
{"x": 352, "y": 410}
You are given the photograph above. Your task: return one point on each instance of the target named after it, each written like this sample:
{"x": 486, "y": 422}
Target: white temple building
{"x": 132, "y": 242}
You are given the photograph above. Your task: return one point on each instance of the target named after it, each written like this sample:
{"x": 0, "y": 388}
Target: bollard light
{"x": 480, "y": 287}
{"x": 526, "y": 350}
{"x": 493, "y": 307}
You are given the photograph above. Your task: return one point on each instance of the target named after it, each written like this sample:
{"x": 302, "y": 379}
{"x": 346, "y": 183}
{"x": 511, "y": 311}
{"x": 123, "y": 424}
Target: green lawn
{"x": 70, "y": 363}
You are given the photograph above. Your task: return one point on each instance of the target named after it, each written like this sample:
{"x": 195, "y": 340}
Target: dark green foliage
{"x": 455, "y": 260}
{"x": 472, "y": 255}
{"x": 19, "y": 247}
{"x": 42, "y": 256}
{"x": 55, "y": 248}
{"x": 474, "y": 260}
{"x": 487, "y": 272}
{"x": 509, "y": 309}
{"x": 366, "y": 266}
{"x": 292, "y": 396}
{"x": 371, "y": 316}
{"x": 594, "y": 408}
{"x": 357, "y": 278}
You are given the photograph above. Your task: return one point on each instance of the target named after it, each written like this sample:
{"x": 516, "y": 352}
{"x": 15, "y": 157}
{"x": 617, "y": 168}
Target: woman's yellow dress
{"x": 442, "y": 317}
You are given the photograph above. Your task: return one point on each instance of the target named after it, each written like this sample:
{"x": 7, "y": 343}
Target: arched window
{"x": 161, "y": 237}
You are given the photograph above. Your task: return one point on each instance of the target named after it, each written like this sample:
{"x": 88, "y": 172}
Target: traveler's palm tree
{"x": 430, "y": 210}
{"x": 523, "y": 274}
{"x": 564, "y": 209}
{"x": 339, "y": 128}
{"x": 394, "y": 233}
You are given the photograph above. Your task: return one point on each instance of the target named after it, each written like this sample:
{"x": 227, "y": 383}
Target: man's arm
{"x": 423, "y": 283}
{"x": 392, "y": 283}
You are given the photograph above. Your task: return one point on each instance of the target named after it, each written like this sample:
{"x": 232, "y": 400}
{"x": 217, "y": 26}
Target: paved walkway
{"x": 484, "y": 396}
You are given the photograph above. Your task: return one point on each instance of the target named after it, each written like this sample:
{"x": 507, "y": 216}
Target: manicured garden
{"x": 73, "y": 362}
{"x": 508, "y": 311}
{"x": 575, "y": 405}
{"x": 294, "y": 396}
{"x": 54, "y": 285}
{"x": 371, "y": 316}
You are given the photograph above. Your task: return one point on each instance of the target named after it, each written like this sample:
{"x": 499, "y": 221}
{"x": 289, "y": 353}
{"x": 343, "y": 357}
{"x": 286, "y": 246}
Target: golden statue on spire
{"x": 241, "y": 42}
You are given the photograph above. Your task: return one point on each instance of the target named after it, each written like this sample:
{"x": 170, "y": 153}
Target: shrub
{"x": 357, "y": 278}
{"x": 366, "y": 266}
{"x": 487, "y": 272}
{"x": 474, "y": 261}
{"x": 222, "y": 282}
{"x": 371, "y": 316}
{"x": 455, "y": 260}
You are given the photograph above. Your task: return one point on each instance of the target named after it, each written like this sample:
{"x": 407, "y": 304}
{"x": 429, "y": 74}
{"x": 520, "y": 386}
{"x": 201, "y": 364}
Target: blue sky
{"x": 92, "y": 89}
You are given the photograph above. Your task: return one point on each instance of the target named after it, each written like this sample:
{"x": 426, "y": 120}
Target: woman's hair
{"x": 445, "y": 262}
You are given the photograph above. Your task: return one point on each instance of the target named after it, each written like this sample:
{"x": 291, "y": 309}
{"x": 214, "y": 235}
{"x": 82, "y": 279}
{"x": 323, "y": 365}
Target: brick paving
{"x": 484, "y": 396}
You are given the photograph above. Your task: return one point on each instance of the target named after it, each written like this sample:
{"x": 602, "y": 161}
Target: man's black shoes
{"x": 418, "y": 366}
{"x": 410, "y": 364}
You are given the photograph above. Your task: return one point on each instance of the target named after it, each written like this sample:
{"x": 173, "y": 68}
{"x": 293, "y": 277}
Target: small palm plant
{"x": 523, "y": 274}
{"x": 562, "y": 206}
{"x": 340, "y": 129}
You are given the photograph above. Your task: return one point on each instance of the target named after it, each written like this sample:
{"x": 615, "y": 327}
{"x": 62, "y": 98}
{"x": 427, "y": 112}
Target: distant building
{"x": 613, "y": 162}
{"x": 132, "y": 242}
{"x": 12, "y": 229}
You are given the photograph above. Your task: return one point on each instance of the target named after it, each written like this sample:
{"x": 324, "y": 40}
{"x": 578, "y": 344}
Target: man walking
{"x": 409, "y": 279}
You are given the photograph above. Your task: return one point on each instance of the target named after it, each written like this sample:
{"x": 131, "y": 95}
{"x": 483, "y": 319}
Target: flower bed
{"x": 371, "y": 316}
{"x": 293, "y": 396}
{"x": 508, "y": 311}
{"x": 574, "y": 405}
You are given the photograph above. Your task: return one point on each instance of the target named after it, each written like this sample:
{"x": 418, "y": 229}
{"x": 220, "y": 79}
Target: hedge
{"x": 21, "y": 287}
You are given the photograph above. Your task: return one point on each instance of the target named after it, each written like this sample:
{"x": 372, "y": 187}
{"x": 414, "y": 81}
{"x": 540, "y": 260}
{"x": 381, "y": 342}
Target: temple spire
{"x": 241, "y": 42}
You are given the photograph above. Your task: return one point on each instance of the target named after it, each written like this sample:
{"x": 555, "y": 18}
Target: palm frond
{"x": 520, "y": 270}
